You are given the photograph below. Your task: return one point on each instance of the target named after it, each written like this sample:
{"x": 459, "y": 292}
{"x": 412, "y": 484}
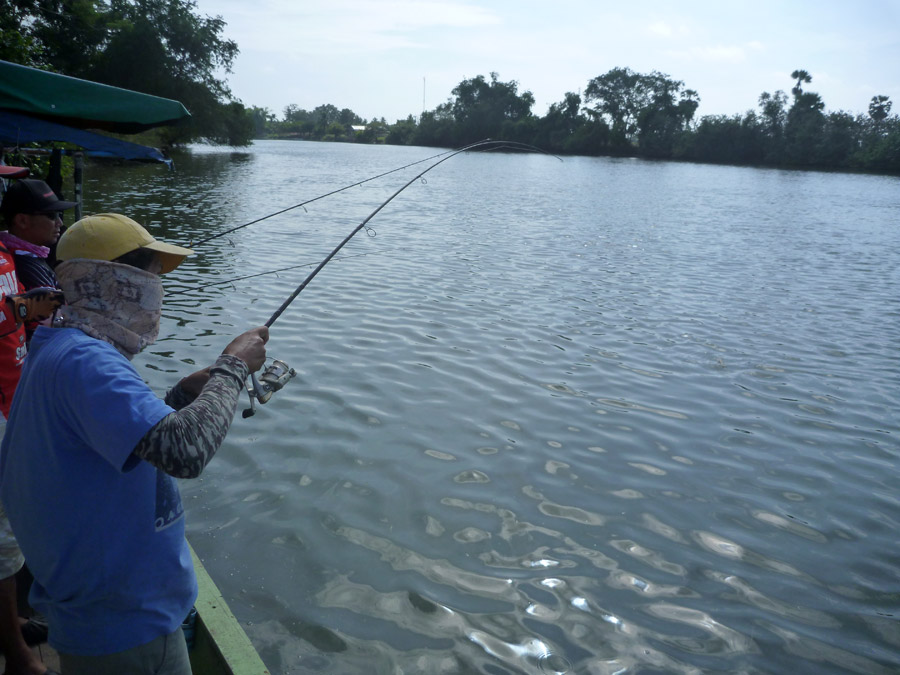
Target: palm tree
{"x": 801, "y": 76}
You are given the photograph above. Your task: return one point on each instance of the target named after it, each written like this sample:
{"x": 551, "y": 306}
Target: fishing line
{"x": 182, "y": 291}
{"x": 485, "y": 144}
{"x": 310, "y": 201}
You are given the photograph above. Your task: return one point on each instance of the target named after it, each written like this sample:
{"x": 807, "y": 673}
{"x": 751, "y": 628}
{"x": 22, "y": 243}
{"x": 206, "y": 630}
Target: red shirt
{"x": 12, "y": 337}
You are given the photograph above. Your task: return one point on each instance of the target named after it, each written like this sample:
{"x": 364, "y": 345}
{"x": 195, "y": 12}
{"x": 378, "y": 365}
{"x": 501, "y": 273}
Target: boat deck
{"x": 221, "y": 647}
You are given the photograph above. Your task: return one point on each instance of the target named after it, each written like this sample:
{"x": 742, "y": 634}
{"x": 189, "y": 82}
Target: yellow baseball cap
{"x": 107, "y": 236}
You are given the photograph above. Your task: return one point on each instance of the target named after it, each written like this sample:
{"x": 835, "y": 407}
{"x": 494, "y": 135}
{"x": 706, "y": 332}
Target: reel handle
{"x": 252, "y": 388}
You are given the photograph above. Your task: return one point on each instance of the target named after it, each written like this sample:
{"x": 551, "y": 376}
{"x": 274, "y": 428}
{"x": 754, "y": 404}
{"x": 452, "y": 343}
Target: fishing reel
{"x": 273, "y": 379}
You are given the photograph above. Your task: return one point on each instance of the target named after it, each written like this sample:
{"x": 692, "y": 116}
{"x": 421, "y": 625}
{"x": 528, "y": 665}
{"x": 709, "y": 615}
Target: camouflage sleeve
{"x": 183, "y": 442}
{"x": 178, "y": 398}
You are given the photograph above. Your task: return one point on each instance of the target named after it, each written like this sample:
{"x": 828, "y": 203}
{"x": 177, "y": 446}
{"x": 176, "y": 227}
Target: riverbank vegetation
{"x": 163, "y": 47}
{"x": 625, "y": 113}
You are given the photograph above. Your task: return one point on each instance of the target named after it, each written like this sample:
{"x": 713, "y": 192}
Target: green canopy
{"x": 83, "y": 104}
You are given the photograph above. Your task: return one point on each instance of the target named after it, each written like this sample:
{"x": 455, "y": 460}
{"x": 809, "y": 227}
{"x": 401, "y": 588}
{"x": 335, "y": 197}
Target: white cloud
{"x": 660, "y": 28}
{"x": 342, "y": 27}
{"x": 668, "y": 30}
{"x": 712, "y": 54}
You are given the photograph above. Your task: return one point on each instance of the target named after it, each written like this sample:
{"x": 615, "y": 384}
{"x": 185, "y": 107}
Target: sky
{"x": 395, "y": 58}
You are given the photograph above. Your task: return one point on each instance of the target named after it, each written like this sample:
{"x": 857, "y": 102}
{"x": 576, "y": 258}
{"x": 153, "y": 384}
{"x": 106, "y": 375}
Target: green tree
{"x": 666, "y": 116}
{"x": 336, "y": 131}
{"x": 773, "y": 109}
{"x": 71, "y": 34}
{"x": 481, "y": 109}
{"x": 879, "y": 108}
{"x": 716, "y": 139}
{"x": 839, "y": 141}
{"x": 618, "y": 97}
{"x": 401, "y": 132}
{"x": 348, "y": 117}
{"x": 160, "y": 47}
{"x": 591, "y": 138}
{"x": 689, "y": 101}
{"x": 262, "y": 119}
{"x": 17, "y": 41}
{"x": 881, "y": 150}
{"x": 647, "y": 112}
{"x": 324, "y": 116}
{"x": 293, "y": 113}
{"x": 556, "y": 130}
{"x": 437, "y": 128}
{"x": 375, "y": 132}
{"x": 880, "y": 143}
{"x": 805, "y": 124}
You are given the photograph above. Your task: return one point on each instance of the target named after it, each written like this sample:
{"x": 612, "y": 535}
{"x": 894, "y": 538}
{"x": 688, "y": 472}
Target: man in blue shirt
{"x": 105, "y": 542}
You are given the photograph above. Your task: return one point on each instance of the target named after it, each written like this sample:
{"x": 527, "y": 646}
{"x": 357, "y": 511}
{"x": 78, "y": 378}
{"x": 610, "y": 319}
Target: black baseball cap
{"x": 31, "y": 195}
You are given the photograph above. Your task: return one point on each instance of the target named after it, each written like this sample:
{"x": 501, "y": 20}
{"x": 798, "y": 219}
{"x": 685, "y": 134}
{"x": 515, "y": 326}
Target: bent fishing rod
{"x": 279, "y": 373}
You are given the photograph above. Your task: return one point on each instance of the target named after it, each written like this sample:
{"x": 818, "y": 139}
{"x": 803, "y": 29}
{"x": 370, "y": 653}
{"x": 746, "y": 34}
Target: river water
{"x": 580, "y": 416}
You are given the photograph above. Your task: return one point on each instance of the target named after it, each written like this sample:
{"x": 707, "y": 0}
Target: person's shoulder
{"x": 71, "y": 342}
{"x": 22, "y": 258}
{"x": 46, "y": 335}
{"x": 69, "y": 355}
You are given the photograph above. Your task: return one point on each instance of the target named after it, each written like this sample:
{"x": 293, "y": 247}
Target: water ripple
{"x": 597, "y": 416}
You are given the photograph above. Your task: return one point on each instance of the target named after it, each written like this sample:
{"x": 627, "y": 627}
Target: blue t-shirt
{"x": 102, "y": 531}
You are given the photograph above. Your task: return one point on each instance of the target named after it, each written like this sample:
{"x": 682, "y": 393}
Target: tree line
{"x": 626, "y": 113}
{"x": 163, "y": 47}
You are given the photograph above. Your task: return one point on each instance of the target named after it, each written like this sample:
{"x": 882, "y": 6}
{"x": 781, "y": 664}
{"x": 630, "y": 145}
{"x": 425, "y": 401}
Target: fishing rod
{"x": 279, "y": 373}
{"x": 314, "y": 199}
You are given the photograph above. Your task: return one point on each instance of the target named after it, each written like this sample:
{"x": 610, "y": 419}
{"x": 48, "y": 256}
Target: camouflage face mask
{"x": 116, "y": 303}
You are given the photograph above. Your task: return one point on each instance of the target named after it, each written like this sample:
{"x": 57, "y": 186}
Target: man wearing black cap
{"x": 33, "y": 216}
{"x": 19, "y": 658}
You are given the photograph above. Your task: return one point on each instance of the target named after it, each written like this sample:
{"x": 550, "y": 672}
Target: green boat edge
{"x": 221, "y": 647}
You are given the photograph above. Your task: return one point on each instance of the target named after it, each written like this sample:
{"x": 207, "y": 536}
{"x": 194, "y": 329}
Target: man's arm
{"x": 183, "y": 442}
